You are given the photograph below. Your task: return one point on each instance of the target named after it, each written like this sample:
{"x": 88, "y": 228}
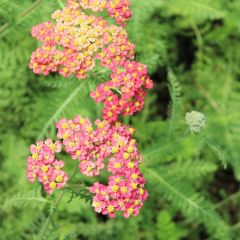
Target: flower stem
{"x": 57, "y": 201}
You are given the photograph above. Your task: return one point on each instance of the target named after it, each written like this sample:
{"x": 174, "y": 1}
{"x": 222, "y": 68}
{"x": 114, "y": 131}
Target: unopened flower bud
{"x": 195, "y": 121}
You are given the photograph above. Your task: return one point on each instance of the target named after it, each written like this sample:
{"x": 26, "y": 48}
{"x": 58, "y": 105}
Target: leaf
{"x": 21, "y": 200}
{"x": 191, "y": 203}
{"x": 198, "y": 10}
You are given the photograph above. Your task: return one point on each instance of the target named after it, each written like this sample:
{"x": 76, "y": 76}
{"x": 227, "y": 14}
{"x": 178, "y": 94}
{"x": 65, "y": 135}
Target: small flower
{"x": 43, "y": 165}
{"x": 195, "y": 121}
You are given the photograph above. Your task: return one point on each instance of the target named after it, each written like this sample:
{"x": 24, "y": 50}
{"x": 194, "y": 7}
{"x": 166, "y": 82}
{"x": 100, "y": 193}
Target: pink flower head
{"x": 120, "y": 10}
{"x": 125, "y": 92}
{"x": 92, "y": 145}
{"x": 43, "y": 165}
{"x": 71, "y": 44}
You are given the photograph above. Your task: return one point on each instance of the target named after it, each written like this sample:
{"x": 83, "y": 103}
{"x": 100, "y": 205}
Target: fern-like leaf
{"x": 20, "y": 200}
{"x": 191, "y": 203}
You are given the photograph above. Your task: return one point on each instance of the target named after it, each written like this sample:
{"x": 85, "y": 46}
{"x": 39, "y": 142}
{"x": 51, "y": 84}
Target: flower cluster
{"x": 43, "y": 165}
{"x": 91, "y": 147}
{"x": 118, "y": 9}
{"x": 94, "y": 5}
{"x": 125, "y": 190}
{"x": 118, "y": 51}
{"x": 77, "y": 40}
{"x": 72, "y": 45}
{"x": 84, "y": 143}
{"x": 124, "y": 94}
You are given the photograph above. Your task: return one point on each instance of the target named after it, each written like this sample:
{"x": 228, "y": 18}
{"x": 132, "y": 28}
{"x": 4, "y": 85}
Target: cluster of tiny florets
{"x": 124, "y": 93}
{"x": 125, "y": 190}
{"x": 85, "y": 144}
{"x": 71, "y": 45}
{"x": 43, "y": 165}
{"x": 91, "y": 147}
{"x": 76, "y": 41}
{"x": 118, "y": 9}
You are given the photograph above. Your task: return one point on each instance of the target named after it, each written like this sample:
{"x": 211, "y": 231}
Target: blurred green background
{"x": 192, "y": 51}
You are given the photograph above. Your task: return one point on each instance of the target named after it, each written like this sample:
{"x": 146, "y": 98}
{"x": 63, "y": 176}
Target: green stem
{"x": 228, "y": 199}
{"x": 45, "y": 226}
{"x": 57, "y": 201}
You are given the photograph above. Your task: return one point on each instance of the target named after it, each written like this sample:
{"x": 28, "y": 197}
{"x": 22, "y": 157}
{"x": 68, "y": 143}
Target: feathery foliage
{"x": 191, "y": 48}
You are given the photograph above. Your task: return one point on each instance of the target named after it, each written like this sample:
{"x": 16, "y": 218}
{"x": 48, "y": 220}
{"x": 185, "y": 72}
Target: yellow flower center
{"x": 126, "y": 155}
{"x": 124, "y": 189}
{"x": 45, "y": 177}
{"x": 110, "y": 208}
{"x": 82, "y": 121}
{"x": 130, "y": 210}
{"x": 141, "y": 191}
{"x": 117, "y": 165}
{"x": 134, "y": 185}
{"x": 44, "y": 168}
{"x": 89, "y": 129}
{"x": 117, "y": 180}
{"x": 115, "y": 149}
{"x": 59, "y": 178}
{"x": 131, "y": 165}
{"x": 35, "y": 156}
{"x": 52, "y": 146}
{"x": 115, "y": 188}
{"x": 66, "y": 136}
{"x": 134, "y": 176}
{"x": 130, "y": 149}
{"x": 97, "y": 204}
{"x": 78, "y": 153}
{"x": 52, "y": 185}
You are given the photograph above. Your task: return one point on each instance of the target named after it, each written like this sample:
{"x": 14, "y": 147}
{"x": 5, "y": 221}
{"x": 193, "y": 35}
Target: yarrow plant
{"x": 128, "y": 83}
{"x": 72, "y": 45}
{"x": 91, "y": 147}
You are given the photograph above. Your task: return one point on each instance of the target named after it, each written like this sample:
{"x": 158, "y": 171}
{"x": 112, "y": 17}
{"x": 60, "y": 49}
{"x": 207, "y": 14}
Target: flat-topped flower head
{"x": 72, "y": 44}
{"x": 43, "y": 165}
{"x": 117, "y": 9}
{"x": 92, "y": 146}
{"x": 125, "y": 92}
{"x": 120, "y": 10}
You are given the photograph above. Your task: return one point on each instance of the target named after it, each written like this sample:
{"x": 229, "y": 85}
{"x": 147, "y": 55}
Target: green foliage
{"x": 167, "y": 229}
{"x": 191, "y": 48}
{"x": 21, "y": 200}
{"x": 198, "y": 10}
